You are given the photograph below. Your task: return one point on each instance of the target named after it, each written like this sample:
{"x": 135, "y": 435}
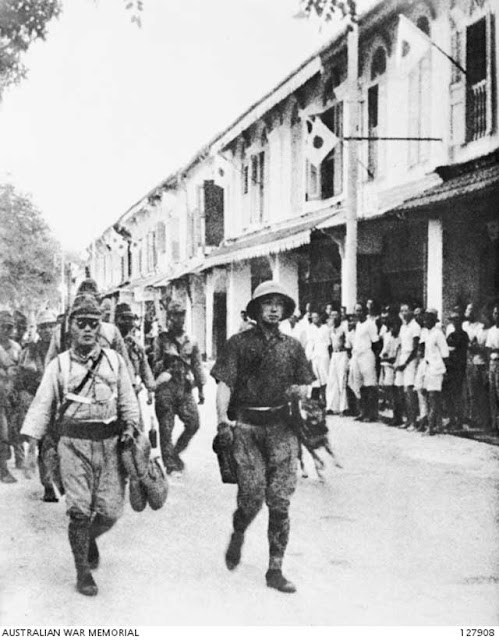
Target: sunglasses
{"x": 81, "y": 323}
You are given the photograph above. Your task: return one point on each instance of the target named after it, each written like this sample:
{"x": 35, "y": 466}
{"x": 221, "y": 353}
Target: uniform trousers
{"x": 266, "y": 458}
{"x": 175, "y": 400}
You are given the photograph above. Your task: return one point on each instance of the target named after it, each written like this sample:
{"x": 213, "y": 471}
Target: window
{"x": 174, "y": 239}
{"x": 161, "y": 237}
{"x": 332, "y": 166}
{"x": 420, "y": 104}
{"x": 296, "y": 161}
{"x": 245, "y": 179}
{"x": 375, "y": 95}
{"x": 478, "y": 107}
{"x": 257, "y": 186}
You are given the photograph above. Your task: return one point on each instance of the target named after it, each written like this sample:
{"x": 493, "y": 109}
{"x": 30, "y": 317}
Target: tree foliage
{"x": 29, "y": 254}
{"x": 21, "y": 22}
{"x": 24, "y": 21}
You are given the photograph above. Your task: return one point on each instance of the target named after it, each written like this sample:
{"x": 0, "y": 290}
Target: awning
{"x": 271, "y": 241}
{"x": 192, "y": 267}
{"x": 458, "y": 181}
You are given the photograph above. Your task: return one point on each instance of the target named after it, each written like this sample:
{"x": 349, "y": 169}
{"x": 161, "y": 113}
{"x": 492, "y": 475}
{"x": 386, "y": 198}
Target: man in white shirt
{"x": 436, "y": 352}
{"x": 366, "y": 339}
{"x": 492, "y": 346}
{"x": 410, "y": 332}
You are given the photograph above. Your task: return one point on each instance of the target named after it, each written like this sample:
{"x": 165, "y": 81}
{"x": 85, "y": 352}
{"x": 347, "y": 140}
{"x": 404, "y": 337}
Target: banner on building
{"x": 320, "y": 140}
{"x": 412, "y": 44}
{"x": 117, "y": 242}
{"x": 221, "y": 168}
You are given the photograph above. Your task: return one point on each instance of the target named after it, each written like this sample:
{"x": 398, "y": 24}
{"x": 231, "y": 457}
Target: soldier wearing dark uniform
{"x": 9, "y": 362}
{"x": 31, "y": 368}
{"x": 178, "y": 368}
{"x": 90, "y": 389}
{"x": 258, "y": 373}
{"x": 125, "y": 321}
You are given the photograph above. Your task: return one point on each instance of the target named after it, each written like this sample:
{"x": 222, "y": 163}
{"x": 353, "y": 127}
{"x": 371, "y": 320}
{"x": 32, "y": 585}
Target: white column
{"x": 349, "y": 264}
{"x": 434, "y": 278}
{"x": 238, "y": 294}
{"x": 210, "y": 290}
{"x": 286, "y": 272}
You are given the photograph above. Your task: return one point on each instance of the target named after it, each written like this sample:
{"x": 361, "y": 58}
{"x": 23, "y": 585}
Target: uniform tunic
{"x": 90, "y": 470}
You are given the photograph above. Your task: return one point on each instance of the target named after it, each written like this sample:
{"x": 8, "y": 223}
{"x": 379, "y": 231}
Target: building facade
{"x": 259, "y": 201}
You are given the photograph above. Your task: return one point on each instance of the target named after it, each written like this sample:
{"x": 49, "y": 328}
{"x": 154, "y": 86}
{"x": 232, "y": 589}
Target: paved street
{"x": 405, "y": 533}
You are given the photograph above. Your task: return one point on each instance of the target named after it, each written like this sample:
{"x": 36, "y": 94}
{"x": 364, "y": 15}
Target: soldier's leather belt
{"x": 91, "y": 430}
{"x": 262, "y": 416}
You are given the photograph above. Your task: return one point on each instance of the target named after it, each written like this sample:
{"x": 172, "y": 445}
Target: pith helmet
{"x": 46, "y": 317}
{"x": 269, "y": 288}
{"x": 85, "y": 305}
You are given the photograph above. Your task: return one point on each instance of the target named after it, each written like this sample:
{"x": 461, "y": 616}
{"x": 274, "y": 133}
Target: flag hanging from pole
{"x": 320, "y": 140}
{"x": 117, "y": 242}
{"x": 412, "y": 44}
{"x": 220, "y": 170}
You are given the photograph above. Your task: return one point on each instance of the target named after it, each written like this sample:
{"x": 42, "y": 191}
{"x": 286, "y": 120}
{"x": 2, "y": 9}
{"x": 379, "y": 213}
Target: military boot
{"x": 233, "y": 553}
{"x": 79, "y": 539}
{"x": 275, "y": 580}
{"x": 5, "y": 475}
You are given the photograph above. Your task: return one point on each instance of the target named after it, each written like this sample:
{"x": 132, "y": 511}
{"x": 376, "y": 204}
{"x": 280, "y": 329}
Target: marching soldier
{"x": 259, "y": 372}
{"x": 96, "y": 409}
{"x": 31, "y": 368}
{"x": 109, "y": 336}
{"x": 125, "y": 321}
{"x": 177, "y": 367}
{"x": 9, "y": 361}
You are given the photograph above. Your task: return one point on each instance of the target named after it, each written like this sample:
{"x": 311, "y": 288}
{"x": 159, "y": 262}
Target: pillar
{"x": 434, "y": 277}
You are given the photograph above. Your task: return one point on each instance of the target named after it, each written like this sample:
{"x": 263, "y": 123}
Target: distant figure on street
{"x": 178, "y": 369}
{"x": 492, "y": 346}
{"x": 10, "y": 352}
{"x": 97, "y": 410}
{"x": 436, "y": 354}
{"x": 31, "y": 368}
{"x": 258, "y": 373}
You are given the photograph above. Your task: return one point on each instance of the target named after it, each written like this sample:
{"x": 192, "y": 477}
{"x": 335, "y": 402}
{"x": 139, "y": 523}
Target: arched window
{"x": 378, "y": 63}
{"x": 424, "y": 24}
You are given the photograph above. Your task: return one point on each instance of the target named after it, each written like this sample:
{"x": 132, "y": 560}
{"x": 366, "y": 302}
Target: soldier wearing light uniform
{"x": 92, "y": 422}
{"x": 178, "y": 368}
{"x": 109, "y": 336}
{"x": 258, "y": 373}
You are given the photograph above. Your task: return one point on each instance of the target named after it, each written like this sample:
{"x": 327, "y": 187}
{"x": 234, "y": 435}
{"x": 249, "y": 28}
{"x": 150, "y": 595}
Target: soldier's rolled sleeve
{"x": 197, "y": 367}
{"x": 128, "y": 408}
{"x": 225, "y": 368}
{"x": 42, "y": 408}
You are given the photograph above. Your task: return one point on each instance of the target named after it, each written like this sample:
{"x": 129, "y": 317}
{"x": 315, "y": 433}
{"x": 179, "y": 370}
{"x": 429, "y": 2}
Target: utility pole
{"x": 349, "y": 270}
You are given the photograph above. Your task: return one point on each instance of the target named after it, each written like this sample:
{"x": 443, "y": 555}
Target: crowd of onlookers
{"x": 401, "y": 364}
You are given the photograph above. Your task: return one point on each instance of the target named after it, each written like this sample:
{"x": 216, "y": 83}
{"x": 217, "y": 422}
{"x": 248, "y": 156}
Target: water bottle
{"x": 153, "y": 435}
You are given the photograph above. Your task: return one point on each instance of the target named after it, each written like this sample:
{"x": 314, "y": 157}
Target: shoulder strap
{"x": 76, "y": 391}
